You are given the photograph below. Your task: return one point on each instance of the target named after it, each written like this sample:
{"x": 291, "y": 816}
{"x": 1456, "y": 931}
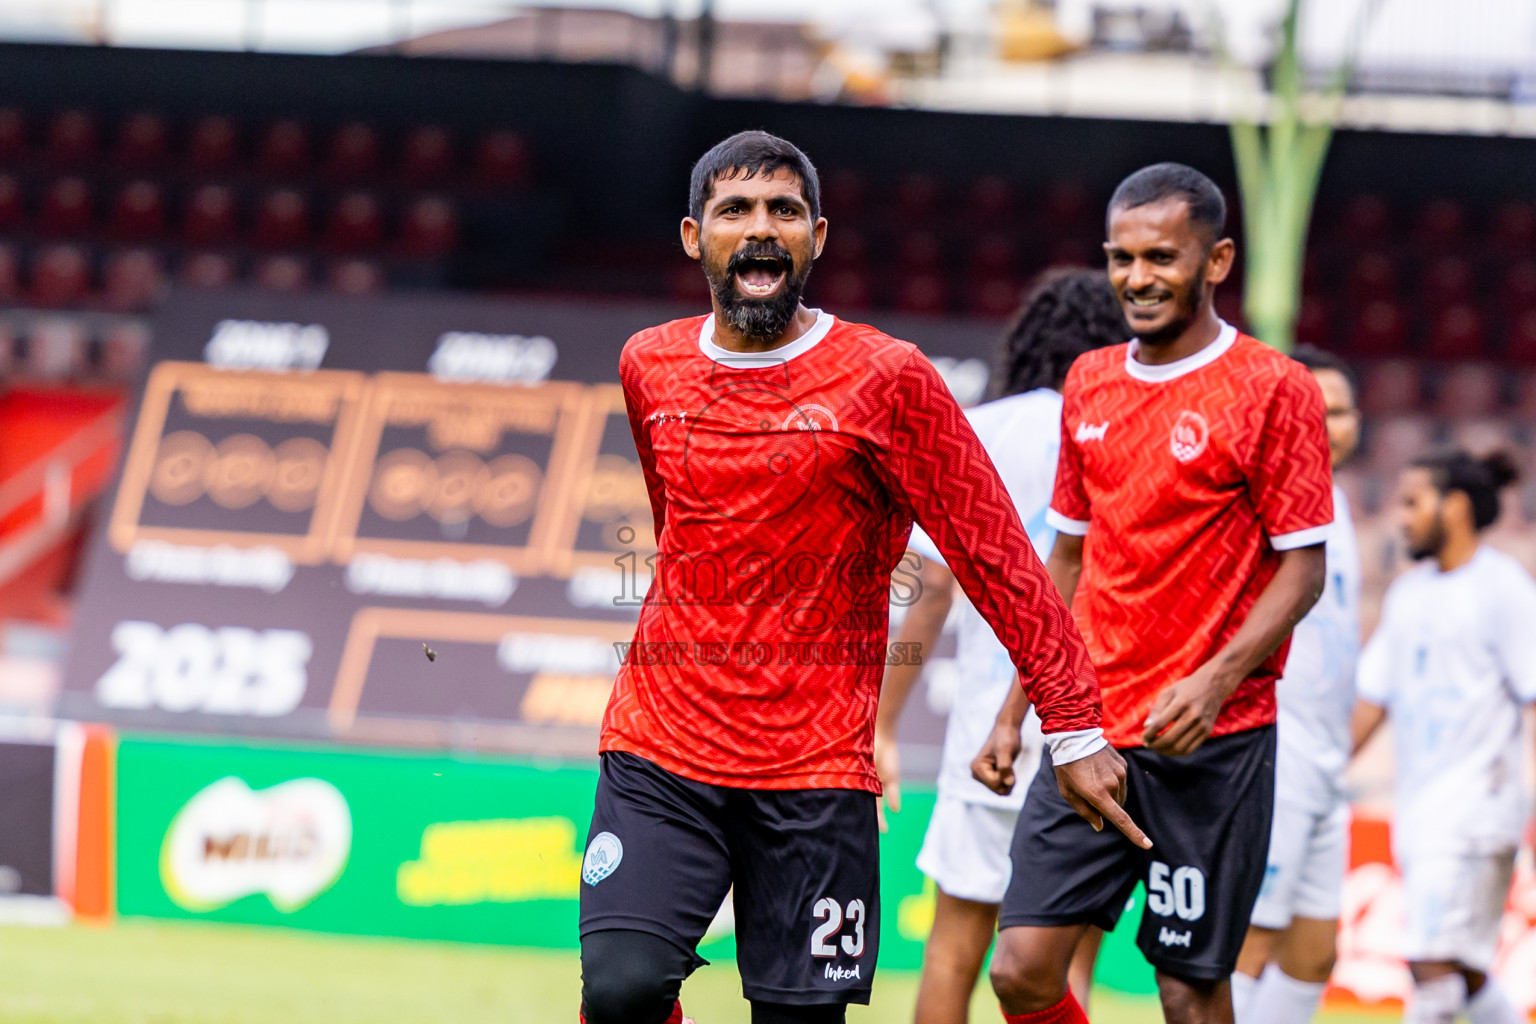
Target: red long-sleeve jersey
{"x": 784, "y": 486}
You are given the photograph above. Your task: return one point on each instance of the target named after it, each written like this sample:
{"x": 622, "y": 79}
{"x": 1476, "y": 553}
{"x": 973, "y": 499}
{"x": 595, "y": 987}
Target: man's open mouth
{"x": 760, "y": 276}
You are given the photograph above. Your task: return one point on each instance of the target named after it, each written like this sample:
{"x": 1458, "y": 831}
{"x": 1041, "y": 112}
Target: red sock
{"x": 675, "y": 1018}
{"x": 1065, "y": 1012}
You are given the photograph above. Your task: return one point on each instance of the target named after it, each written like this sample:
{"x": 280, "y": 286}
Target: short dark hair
{"x": 1480, "y": 480}
{"x": 1314, "y": 358}
{"x": 1067, "y": 311}
{"x": 749, "y": 154}
{"x": 1207, "y": 206}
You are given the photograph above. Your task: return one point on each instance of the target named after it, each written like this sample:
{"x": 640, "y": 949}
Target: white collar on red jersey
{"x": 1157, "y": 374}
{"x": 782, "y": 354}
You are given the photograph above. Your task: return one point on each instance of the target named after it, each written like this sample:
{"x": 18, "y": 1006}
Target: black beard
{"x": 1432, "y": 544}
{"x": 1180, "y": 323}
{"x": 763, "y": 319}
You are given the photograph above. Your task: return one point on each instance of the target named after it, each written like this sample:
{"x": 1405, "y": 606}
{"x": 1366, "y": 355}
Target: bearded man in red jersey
{"x": 787, "y": 454}
{"x": 1193, "y": 497}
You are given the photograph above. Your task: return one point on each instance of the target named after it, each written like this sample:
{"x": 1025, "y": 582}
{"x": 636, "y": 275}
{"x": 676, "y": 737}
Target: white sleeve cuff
{"x": 1061, "y": 524}
{"x": 1301, "y": 538}
{"x": 1075, "y": 745}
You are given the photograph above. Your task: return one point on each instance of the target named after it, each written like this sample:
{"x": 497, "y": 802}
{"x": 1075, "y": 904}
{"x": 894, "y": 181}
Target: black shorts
{"x": 663, "y": 851}
{"x": 1208, "y": 816}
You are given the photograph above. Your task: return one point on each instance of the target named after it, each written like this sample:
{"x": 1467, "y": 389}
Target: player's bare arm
{"x": 1182, "y": 717}
{"x": 1367, "y": 718}
{"x": 922, "y": 626}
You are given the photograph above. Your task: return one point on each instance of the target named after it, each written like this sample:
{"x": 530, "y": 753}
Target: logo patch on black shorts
{"x": 603, "y": 856}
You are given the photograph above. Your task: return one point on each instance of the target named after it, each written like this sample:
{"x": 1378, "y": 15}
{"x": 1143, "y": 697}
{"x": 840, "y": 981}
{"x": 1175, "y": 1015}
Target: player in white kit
{"x": 1289, "y": 952}
{"x": 965, "y": 851}
{"x": 1454, "y": 663}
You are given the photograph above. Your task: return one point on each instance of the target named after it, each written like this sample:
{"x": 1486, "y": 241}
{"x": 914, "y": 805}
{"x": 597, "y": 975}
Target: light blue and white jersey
{"x": 1454, "y": 663}
{"x": 1022, "y": 434}
{"x": 1317, "y": 692}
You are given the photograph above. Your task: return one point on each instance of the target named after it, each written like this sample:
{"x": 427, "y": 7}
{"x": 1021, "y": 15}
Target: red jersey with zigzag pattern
{"x": 1187, "y": 480}
{"x": 784, "y": 487}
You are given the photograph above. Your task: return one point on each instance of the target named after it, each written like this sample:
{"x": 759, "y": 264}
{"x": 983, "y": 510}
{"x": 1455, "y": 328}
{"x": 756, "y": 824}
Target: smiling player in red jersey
{"x": 787, "y": 454}
{"x": 1193, "y": 497}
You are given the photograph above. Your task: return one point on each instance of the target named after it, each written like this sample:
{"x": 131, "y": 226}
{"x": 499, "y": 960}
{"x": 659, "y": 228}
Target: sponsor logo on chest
{"x": 1091, "y": 432}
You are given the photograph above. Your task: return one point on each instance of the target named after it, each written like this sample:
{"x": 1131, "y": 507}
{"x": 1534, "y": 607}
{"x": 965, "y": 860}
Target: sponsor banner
{"x": 404, "y": 520}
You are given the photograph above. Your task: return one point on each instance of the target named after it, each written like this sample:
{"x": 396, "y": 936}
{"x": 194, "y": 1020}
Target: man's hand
{"x": 993, "y": 767}
{"x": 1183, "y": 715}
{"x": 1095, "y": 787}
{"x": 888, "y": 767}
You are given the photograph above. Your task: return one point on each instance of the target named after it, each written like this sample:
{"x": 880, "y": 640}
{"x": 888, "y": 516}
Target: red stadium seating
{"x": 355, "y": 223}
{"x": 61, "y": 276}
{"x": 1068, "y": 209}
{"x": 72, "y": 138}
{"x": 1365, "y": 220}
{"x": 354, "y": 152}
{"x": 11, "y": 211}
{"x": 1456, "y": 332}
{"x": 282, "y": 274}
{"x": 1480, "y": 435}
{"x": 213, "y": 144}
{"x": 1520, "y": 342}
{"x": 210, "y": 216}
{"x": 847, "y": 288}
{"x": 431, "y": 228}
{"x": 850, "y": 251}
{"x": 1525, "y": 396}
{"x": 207, "y": 270}
{"x": 843, "y": 194}
{"x": 354, "y": 277}
{"x": 993, "y": 296}
{"x": 1447, "y": 281}
{"x": 1077, "y": 251}
{"x": 1379, "y": 329}
{"x": 990, "y": 203}
{"x": 1517, "y": 291}
{"x": 686, "y": 284}
{"x": 13, "y": 134}
{"x": 1441, "y": 224}
{"x": 994, "y": 255}
{"x": 1513, "y": 227}
{"x": 917, "y": 198}
{"x": 1389, "y": 387}
{"x": 920, "y": 251}
{"x": 501, "y": 160}
{"x": 1467, "y": 390}
{"x": 66, "y": 207}
{"x": 1314, "y": 323}
{"x": 131, "y": 279}
{"x": 284, "y": 149}
{"x": 143, "y": 140}
{"x": 1396, "y": 440}
{"x": 56, "y": 347}
{"x": 1372, "y": 277}
{"x": 426, "y": 158}
{"x": 282, "y": 220}
{"x": 10, "y": 273}
{"x": 923, "y": 293}
{"x": 139, "y": 211}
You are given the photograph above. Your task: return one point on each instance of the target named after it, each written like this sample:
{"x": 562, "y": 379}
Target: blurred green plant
{"x": 1279, "y": 164}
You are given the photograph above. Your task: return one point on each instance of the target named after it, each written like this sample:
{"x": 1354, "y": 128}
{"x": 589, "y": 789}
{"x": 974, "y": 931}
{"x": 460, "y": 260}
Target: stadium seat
{"x": 1396, "y": 440}
{"x": 138, "y": 211}
{"x": 1441, "y": 224}
{"x": 56, "y": 347}
{"x": 1456, "y": 332}
{"x": 354, "y": 277}
{"x": 686, "y": 284}
{"x": 847, "y": 288}
{"x": 282, "y": 220}
{"x": 1520, "y": 340}
{"x": 917, "y": 198}
{"x": 61, "y": 275}
{"x": 284, "y": 149}
{"x": 1314, "y": 322}
{"x": 994, "y": 296}
{"x": 207, "y": 270}
{"x": 143, "y": 140}
{"x": 1365, "y": 220}
{"x": 1524, "y": 407}
{"x": 1513, "y": 227}
{"x": 1371, "y": 277}
{"x": 919, "y": 252}
{"x": 13, "y": 134}
{"x": 11, "y": 210}
{"x": 354, "y": 152}
{"x": 10, "y": 273}
{"x": 1077, "y": 251}
{"x": 501, "y": 160}
{"x": 1517, "y": 290}
{"x": 990, "y": 202}
{"x": 1480, "y": 435}
{"x": 123, "y": 348}
{"x": 430, "y": 228}
{"x": 849, "y": 250}
{"x": 66, "y": 207}
{"x": 354, "y": 223}
{"x": 1389, "y": 387}
{"x": 72, "y": 138}
{"x": 1066, "y": 209}
{"x": 921, "y": 292}
{"x": 131, "y": 279}
{"x": 1446, "y": 281}
{"x": 843, "y": 193}
{"x": 1467, "y": 390}
{"x": 282, "y": 274}
{"x": 1229, "y": 306}
{"x": 994, "y": 255}
{"x": 210, "y": 216}
{"x": 1379, "y": 329}
{"x": 213, "y": 144}
{"x": 426, "y": 158}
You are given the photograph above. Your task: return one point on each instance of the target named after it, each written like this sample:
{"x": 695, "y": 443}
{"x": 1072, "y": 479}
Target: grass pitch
{"x": 141, "y": 972}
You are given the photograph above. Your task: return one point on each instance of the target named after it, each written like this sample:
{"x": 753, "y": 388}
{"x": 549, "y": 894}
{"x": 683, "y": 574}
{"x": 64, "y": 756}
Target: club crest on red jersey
{"x": 811, "y": 417}
{"x": 1190, "y": 436}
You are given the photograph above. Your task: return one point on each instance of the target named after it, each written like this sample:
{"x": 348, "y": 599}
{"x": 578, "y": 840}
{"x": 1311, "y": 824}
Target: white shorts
{"x": 1304, "y": 876}
{"x": 965, "y": 850}
{"x": 1454, "y": 905}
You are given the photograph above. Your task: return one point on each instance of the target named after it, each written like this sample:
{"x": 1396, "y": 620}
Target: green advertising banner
{"x": 418, "y": 845}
